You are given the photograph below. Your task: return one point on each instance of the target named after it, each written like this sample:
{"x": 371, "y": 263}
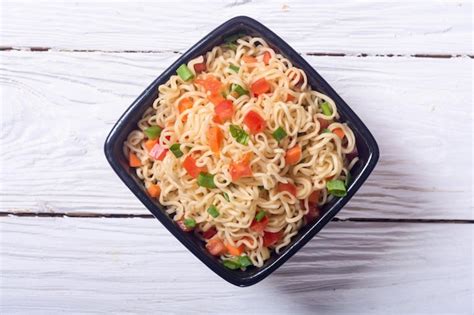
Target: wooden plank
{"x": 342, "y": 26}
{"x": 133, "y": 265}
{"x": 59, "y": 107}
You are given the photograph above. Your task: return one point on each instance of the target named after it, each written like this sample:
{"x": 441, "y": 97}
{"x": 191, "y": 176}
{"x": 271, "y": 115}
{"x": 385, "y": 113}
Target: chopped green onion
{"x": 206, "y": 180}
{"x": 326, "y": 130}
{"x": 233, "y": 38}
{"x": 239, "y": 90}
{"x": 326, "y": 108}
{"x": 336, "y": 188}
{"x": 239, "y": 134}
{"x": 184, "y": 72}
{"x": 224, "y": 94}
{"x": 234, "y": 68}
{"x": 153, "y": 132}
{"x": 279, "y": 134}
{"x": 348, "y": 179}
{"x": 231, "y": 264}
{"x": 176, "y": 150}
{"x": 245, "y": 261}
{"x": 260, "y": 215}
{"x": 212, "y": 210}
{"x": 231, "y": 46}
{"x": 226, "y": 196}
{"x": 190, "y": 223}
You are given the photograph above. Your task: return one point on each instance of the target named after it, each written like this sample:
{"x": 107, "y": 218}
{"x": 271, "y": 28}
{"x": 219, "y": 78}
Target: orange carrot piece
{"x": 154, "y": 190}
{"x": 249, "y": 59}
{"x": 289, "y": 97}
{"x": 215, "y": 138}
{"x": 339, "y": 132}
{"x": 133, "y": 160}
{"x": 184, "y": 104}
{"x": 293, "y": 155}
{"x": 266, "y": 57}
{"x": 149, "y": 144}
{"x": 234, "y": 251}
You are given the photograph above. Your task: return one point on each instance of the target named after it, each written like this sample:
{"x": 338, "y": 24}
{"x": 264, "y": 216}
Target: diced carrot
{"x": 254, "y": 122}
{"x": 234, "y": 251}
{"x": 216, "y": 99}
{"x": 287, "y": 187}
{"x": 184, "y": 104}
{"x": 339, "y": 132}
{"x": 289, "y": 97}
{"x": 249, "y": 59}
{"x": 215, "y": 138}
{"x": 189, "y": 165}
{"x": 266, "y": 57}
{"x": 133, "y": 160}
{"x": 247, "y": 157}
{"x": 260, "y": 86}
{"x": 210, "y": 84}
{"x": 215, "y": 246}
{"x": 293, "y": 155}
{"x": 149, "y": 144}
{"x": 154, "y": 190}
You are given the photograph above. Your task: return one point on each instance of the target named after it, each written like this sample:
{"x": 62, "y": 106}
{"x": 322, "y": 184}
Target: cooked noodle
{"x": 323, "y": 153}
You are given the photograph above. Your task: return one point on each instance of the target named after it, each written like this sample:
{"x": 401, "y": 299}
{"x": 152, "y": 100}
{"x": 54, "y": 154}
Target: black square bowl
{"x": 366, "y": 145}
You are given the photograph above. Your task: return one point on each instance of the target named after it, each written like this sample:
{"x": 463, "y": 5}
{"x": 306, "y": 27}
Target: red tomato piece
{"x": 260, "y": 86}
{"x": 209, "y": 233}
{"x": 182, "y": 226}
{"x": 254, "y": 122}
{"x": 259, "y": 226}
{"x": 287, "y": 187}
{"x": 189, "y": 165}
{"x": 210, "y": 83}
{"x": 200, "y": 67}
{"x": 158, "y": 152}
{"x": 215, "y": 246}
{"x": 270, "y": 238}
{"x": 224, "y": 110}
{"x": 238, "y": 170}
{"x": 323, "y": 123}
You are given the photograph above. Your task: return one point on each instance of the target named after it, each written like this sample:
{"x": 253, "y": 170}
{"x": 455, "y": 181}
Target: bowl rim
{"x": 237, "y": 278}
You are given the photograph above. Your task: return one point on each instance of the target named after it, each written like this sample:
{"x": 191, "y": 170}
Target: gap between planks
{"x": 328, "y": 54}
{"x": 150, "y": 216}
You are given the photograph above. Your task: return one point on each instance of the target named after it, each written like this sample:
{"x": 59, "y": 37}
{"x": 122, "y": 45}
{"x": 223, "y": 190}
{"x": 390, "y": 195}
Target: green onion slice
{"x": 239, "y": 134}
{"x": 260, "y": 215}
{"x": 153, "y": 132}
{"x": 176, "y": 150}
{"x": 348, "y": 179}
{"x": 212, "y": 210}
{"x": 190, "y": 223}
{"x": 206, "y": 180}
{"x": 234, "y": 68}
{"x": 279, "y": 134}
{"x": 231, "y": 264}
{"x": 233, "y": 38}
{"x": 336, "y": 188}
{"x": 239, "y": 90}
{"x": 245, "y": 261}
{"x": 226, "y": 196}
{"x": 326, "y": 130}
{"x": 184, "y": 72}
{"x": 326, "y": 108}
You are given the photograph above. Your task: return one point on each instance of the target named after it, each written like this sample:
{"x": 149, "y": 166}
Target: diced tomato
{"x": 158, "y": 152}
{"x": 270, "y": 238}
{"x": 287, "y": 187}
{"x": 313, "y": 212}
{"x": 215, "y": 246}
{"x": 215, "y": 138}
{"x": 216, "y": 99}
{"x": 189, "y": 165}
{"x": 293, "y": 155}
{"x": 266, "y": 57}
{"x": 259, "y": 226}
{"x": 154, "y": 190}
{"x": 239, "y": 170}
{"x": 254, "y": 122}
{"x": 224, "y": 110}
{"x": 323, "y": 123}
{"x": 339, "y": 132}
{"x": 290, "y": 97}
{"x": 209, "y": 233}
{"x": 234, "y": 251}
{"x": 210, "y": 84}
{"x": 314, "y": 197}
{"x": 249, "y": 59}
{"x": 260, "y": 86}
{"x": 183, "y": 227}
{"x": 200, "y": 67}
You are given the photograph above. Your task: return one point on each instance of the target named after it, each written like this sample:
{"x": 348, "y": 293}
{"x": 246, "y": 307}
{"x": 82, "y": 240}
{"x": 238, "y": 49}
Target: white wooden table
{"x": 75, "y": 240}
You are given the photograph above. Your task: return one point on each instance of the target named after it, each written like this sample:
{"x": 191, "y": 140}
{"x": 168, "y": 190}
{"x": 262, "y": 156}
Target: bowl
{"x": 366, "y": 146}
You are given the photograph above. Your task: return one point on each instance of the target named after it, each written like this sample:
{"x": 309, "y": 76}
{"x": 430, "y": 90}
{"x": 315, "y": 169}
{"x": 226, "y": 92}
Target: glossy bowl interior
{"x": 366, "y": 145}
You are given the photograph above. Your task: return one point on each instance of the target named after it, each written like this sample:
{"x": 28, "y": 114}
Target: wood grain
{"x": 59, "y": 107}
{"x": 134, "y": 266}
{"x": 338, "y": 26}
